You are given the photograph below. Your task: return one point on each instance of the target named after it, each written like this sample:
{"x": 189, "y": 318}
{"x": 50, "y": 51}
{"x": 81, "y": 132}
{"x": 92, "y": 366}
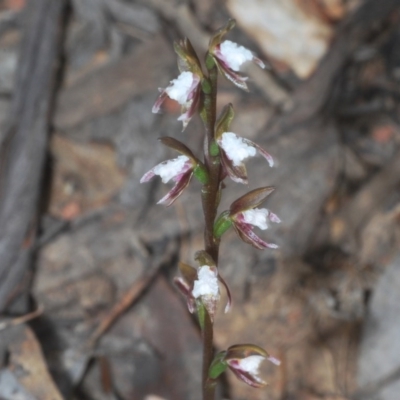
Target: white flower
{"x": 244, "y": 361}
{"x": 185, "y": 89}
{"x": 245, "y": 220}
{"x": 206, "y": 283}
{"x": 229, "y": 57}
{"x": 181, "y": 87}
{"x": 234, "y": 55}
{"x": 236, "y": 148}
{"x": 179, "y": 169}
{"x": 168, "y": 170}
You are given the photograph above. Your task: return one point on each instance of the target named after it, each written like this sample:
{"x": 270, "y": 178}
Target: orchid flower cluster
{"x": 224, "y": 155}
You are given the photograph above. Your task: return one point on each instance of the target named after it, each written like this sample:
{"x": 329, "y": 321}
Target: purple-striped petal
{"x": 147, "y": 176}
{"x": 177, "y": 190}
{"x": 247, "y": 377}
{"x": 259, "y": 62}
{"x": 234, "y": 77}
{"x": 186, "y": 290}
{"x": 245, "y": 232}
{"x": 266, "y": 155}
{"x": 191, "y": 110}
{"x": 161, "y": 98}
{"x": 228, "y": 293}
{"x": 274, "y": 218}
{"x": 237, "y": 173}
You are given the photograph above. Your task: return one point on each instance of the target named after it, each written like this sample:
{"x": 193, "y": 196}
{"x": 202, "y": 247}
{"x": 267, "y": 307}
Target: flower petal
{"x": 228, "y": 293}
{"x": 147, "y": 176}
{"x": 245, "y": 232}
{"x": 236, "y": 173}
{"x": 233, "y": 55}
{"x": 186, "y": 290}
{"x": 179, "y": 147}
{"x": 274, "y": 360}
{"x": 274, "y": 218}
{"x": 188, "y": 272}
{"x": 252, "y": 380}
{"x": 188, "y": 60}
{"x": 236, "y": 148}
{"x": 217, "y": 38}
{"x": 251, "y": 199}
{"x": 259, "y": 62}
{"x": 161, "y": 98}
{"x": 206, "y": 284}
{"x": 255, "y": 216}
{"x": 180, "y": 88}
{"x": 177, "y": 190}
{"x": 237, "y": 79}
{"x": 266, "y": 155}
{"x": 188, "y": 112}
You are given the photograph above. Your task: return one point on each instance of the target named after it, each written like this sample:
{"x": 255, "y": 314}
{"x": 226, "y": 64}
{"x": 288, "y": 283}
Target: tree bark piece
{"x": 25, "y": 144}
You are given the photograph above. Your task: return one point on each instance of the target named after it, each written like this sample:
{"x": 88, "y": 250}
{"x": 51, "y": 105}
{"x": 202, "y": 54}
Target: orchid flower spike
{"x": 180, "y": 170}
{"x": 229, "y": 56}
{"x": 235, "y": 149}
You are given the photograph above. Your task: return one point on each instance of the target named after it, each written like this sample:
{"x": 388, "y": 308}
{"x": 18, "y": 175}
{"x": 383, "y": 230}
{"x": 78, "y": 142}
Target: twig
{"x": 121, "y": 306}
{"x": 20, "y": 320}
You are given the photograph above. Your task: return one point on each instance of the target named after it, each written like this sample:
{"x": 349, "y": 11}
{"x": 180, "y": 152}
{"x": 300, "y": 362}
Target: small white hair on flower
{"x": 206, "y": 283}
{"x": 169, "y": 169}
{"x": 244, "y": 222}
{"x": 259, "y": 217}
{"x": 236, "y": 148}
{"x": 181, "y": 87}
{"x": 235, "y": 55}
{"x": 251, "y": 365}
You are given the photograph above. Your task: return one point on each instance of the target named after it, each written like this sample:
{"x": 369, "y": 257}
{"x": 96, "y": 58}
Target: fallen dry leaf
{"x": 27, "y": 362}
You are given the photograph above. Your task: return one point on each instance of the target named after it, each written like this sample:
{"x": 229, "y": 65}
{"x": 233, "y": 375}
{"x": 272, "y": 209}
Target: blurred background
{"x": 88, "y": 307}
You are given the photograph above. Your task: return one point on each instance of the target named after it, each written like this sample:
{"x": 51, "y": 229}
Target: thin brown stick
{"x": 127, "y": 299}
